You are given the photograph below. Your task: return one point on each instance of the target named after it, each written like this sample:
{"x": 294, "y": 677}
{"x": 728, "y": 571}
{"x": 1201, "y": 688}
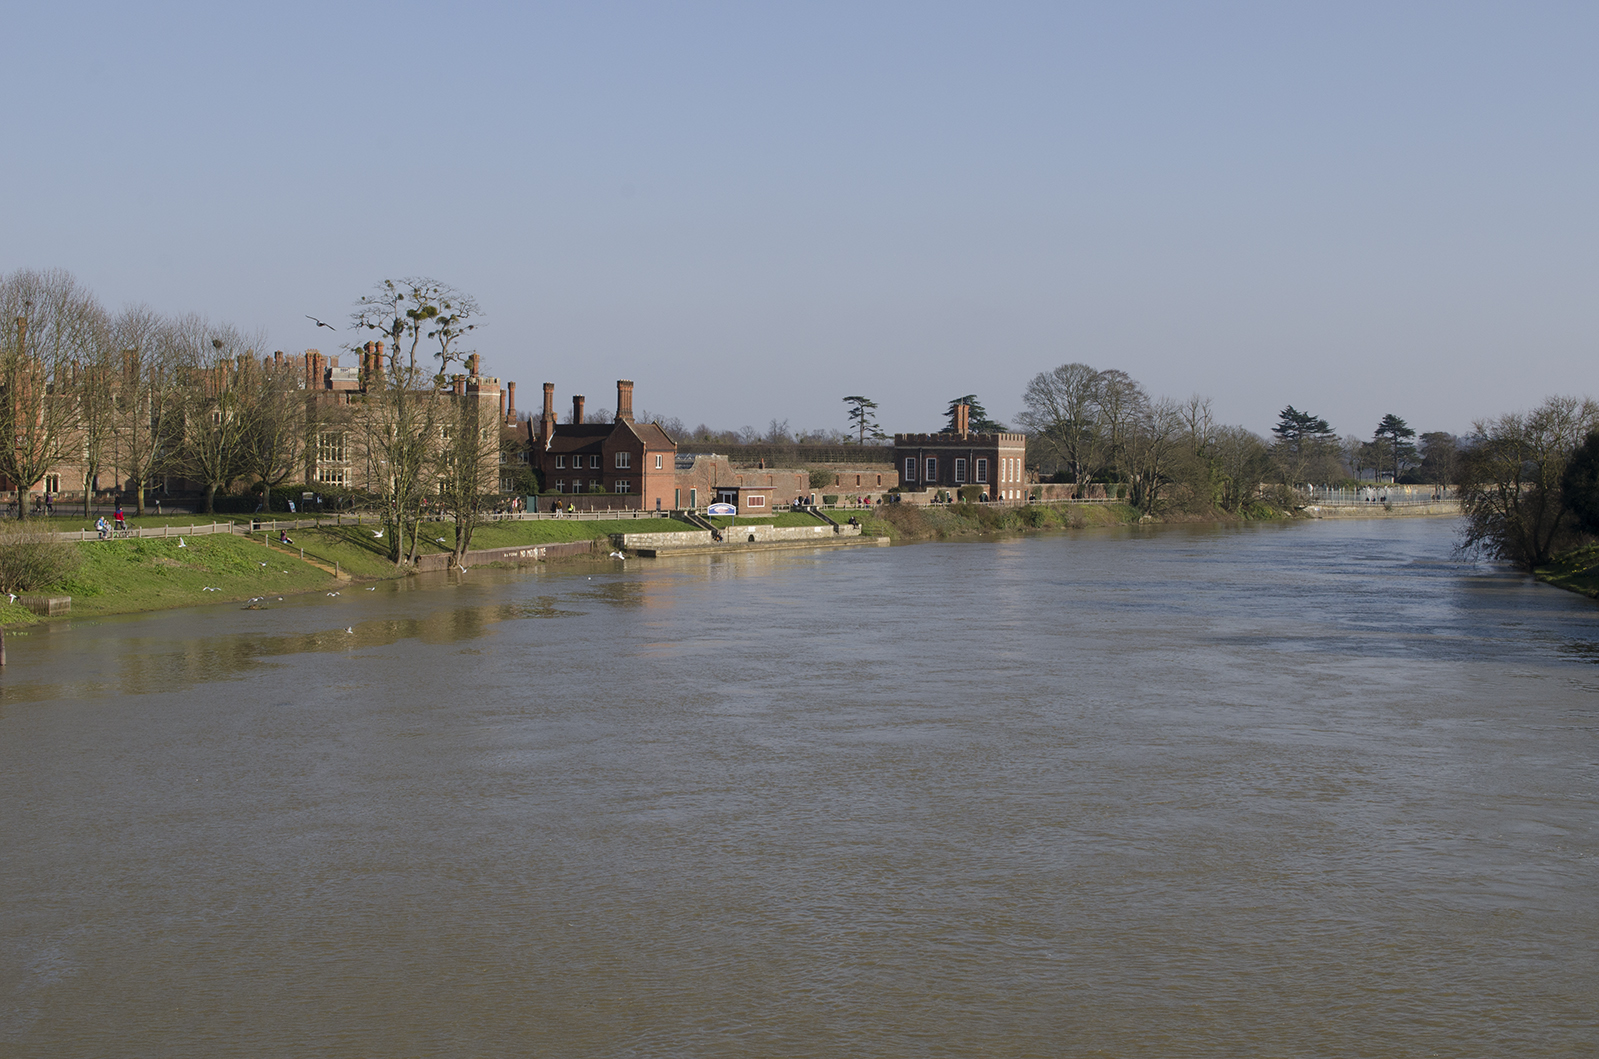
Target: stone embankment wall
{"x": 1376, "y": 510}
{"x": 523, "y": 553}
{"x": 734, "y": 535}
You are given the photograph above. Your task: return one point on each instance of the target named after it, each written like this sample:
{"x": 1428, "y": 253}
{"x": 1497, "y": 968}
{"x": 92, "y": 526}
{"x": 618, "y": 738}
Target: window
{"x": 932, "y": 469}
{"x": 330, "y": 447}
{"x": 693, "y": 498}
{"x": 560, "y": 486}
{"x": 52, "y": 483}
{"x": 332, "y": 476}
{"x": 960, "y": 470}
{"x": 624, "y": 486}
{"x": 982, "y": 471}
{"x": 624, "y": 460}
{"x": 658, "y": 459}
{"x": 560, "y": 461}
{"x": 577, "y": 485}
{"x": 677, "y": 498}
{"x": 595, "y": 485}
{"x": 755, "y": 500}
{"x": 910, "y": 468}
{"x": 594, "y": 462}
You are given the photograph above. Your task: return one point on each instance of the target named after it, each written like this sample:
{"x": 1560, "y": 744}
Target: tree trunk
{"x": 138, "y": 497}
{"x": 210, "y": 499}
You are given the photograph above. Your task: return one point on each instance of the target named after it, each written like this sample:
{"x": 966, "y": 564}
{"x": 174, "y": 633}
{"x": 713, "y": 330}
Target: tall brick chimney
{"x": 502, "y": 407}
{"x": 963, "y": 419}
{"x": 510, "y": 410}
{"x": 624, "y": 400}
{"x": 460, "y": 385}
{"x": 547, "y": 420}
{"x": 471, "y": 364}
{"x": 577, "y": 408}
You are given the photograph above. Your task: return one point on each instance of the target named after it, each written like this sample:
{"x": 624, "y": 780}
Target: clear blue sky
{"x": 753, "y": 209}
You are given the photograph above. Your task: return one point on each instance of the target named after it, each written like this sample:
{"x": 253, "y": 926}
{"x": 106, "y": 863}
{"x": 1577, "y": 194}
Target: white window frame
{"x": 624, "y": 461}
{"x": 982, "y": 471}
{"x": 624, "y": 486}
{"x": 594, "y": 462}
{"x": 910, "y": 469}
{"x": 755, "y": 500}
{"x": 560, "y": 462}
{"x": 960, "y": 469}
{"x": 932, "y": 469}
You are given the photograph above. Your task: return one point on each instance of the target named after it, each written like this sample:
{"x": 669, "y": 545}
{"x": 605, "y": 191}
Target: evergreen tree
{"x": 862, "y": 419}
{"x": 976, "y": 416}
{"x": 1394, "y": 435}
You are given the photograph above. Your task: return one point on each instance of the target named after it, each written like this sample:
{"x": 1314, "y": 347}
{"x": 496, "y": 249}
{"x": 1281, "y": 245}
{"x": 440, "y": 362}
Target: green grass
{"x": 782, "y": 518}
{"x": 122, "y": 576}
{"x": 360, "y": 554}
{"x": 1574, "y": 571}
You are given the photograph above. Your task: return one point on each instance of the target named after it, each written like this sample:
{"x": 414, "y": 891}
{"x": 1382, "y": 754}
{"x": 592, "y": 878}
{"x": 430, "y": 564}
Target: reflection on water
{"x": 1312, "y": 789}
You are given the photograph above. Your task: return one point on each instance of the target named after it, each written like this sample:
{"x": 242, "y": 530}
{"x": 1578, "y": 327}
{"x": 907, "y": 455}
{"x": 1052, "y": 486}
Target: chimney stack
{"x": 577, "y": 408}
{"x": 460, "y": 385}
{"x": 547, "y": 420}
{"x": 510, "y": 411}
{"x": 471, "y": 364}
{"x": 624, "y": 400}
{"x": 502, "y": 406}
{"x": 963, "y": 419}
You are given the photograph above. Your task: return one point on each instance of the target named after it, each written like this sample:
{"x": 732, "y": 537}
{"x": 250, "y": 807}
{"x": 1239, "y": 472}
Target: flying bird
{"x": 181, "y": 543}
{"x": 618, "y": 555}
{"x": 372, "y": 589}
{"x": 350, "y": 629}
{"x": 263, "y": 564}
{"x": 319, "y": 323}
{"x": 439, "y": 539}
{"x": 377, "y": 533}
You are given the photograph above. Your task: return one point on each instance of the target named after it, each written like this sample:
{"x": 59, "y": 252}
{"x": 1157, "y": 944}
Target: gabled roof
{"x": 651, "y": 435}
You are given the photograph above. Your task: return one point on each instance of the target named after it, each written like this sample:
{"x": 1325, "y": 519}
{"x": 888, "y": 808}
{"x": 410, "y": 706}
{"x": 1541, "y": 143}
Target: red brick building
{"x": 995, "y": 462}
{"x": 633, "y": 464}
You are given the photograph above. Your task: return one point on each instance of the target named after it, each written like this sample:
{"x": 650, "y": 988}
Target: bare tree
{"x": 54, "y": 326}
{"x": 1200, "y": 423}
{"x": 274, "y": 413}
{"x": 1242, "y": 462}
{"x": 1154, "y": 438}
{"x": 1511, "y": 480}
{"x": 468, "y": 465}
{"x": 400, "y": 416}
{"x": 97, "y": 421}
{"x": 220, "y": 372}
{"x": 1060, "y": 414}
{"x": 1118, "y": 401}
{"x": 149, "y": 415}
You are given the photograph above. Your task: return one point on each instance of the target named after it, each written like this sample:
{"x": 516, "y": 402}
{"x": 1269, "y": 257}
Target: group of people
{"x": 104, "y": 528}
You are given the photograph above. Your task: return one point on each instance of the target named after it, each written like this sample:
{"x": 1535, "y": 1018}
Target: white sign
{"x": 721, "y": 509}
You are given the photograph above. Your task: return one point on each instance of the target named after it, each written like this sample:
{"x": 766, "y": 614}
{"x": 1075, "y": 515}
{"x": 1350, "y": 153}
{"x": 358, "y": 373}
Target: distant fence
{"x": 1378, "y": 495}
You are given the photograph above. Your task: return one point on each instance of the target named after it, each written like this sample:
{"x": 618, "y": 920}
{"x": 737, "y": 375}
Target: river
{"x": 1304, "y": 789}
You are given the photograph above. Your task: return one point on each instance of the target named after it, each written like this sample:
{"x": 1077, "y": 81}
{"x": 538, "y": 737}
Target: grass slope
{"x": 119, "y": 577}
{"x": 1575, "y": 571}
{"x": 909, "y": 522}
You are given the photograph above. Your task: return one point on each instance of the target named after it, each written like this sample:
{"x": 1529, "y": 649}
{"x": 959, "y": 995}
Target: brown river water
{"x": 1309, "y": 789}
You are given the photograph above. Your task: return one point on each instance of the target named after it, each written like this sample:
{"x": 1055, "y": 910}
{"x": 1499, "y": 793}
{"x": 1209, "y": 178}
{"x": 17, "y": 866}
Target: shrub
{"x": 821, "y": 477}
{"x": 30, "y": 560}
{"x": 830, "y": 499}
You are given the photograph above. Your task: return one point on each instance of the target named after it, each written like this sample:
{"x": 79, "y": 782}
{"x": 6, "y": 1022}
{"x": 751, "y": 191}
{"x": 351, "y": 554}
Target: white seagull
{"x": 350, "y": 630}
{"x": 181, "y": 544}
{"x": 439, "y": 539}
{"x": 618, "y": 555}
{"x": 377, "y": 533}
{"x": 374, "y": 588}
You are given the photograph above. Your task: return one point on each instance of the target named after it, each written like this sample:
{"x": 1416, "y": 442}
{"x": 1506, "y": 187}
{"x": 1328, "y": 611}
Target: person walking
{"x": 122, "y": 521}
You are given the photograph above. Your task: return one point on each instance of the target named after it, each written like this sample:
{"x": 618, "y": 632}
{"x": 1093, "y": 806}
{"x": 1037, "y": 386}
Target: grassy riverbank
{"x": 1575, "y": 571}
{"x": 906, "y": 522}
{"x": 131, "y": 575}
